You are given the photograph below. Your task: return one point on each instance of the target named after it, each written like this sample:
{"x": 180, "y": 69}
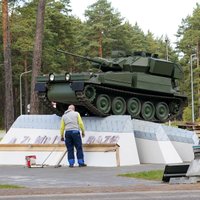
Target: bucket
{"x": 30, "y": 160}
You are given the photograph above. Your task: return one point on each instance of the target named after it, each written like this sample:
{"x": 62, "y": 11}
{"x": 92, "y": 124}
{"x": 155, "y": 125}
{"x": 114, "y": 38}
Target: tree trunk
{"x": 37, "y": 55}
{"x": 2, "y": 99}
{"x": 9, "y": 106}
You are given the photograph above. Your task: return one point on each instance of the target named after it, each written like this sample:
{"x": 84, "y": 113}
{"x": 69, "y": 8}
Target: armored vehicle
{"x": 138, "y": 84}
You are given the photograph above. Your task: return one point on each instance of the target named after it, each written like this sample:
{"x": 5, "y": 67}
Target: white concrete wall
{"x": 139, "y": 141}
{"x": 44, "y": 130}
{"x": 128, "y": 152}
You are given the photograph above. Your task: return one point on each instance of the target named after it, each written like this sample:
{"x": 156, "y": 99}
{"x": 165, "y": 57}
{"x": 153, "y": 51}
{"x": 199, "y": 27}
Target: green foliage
{"x": 188, "y": 36}
{"x": 197, "y": 120}
{"x": 187, "y": 114}
{"x": 57, "y": 35}
{"x": 10, "y": 186}
{"x": 136, "y": 38}
{"x": 104, "y": 27}
{"x": 147, "y": 175}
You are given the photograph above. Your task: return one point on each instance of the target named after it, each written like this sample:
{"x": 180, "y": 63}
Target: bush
{"x": 187, "y": 114}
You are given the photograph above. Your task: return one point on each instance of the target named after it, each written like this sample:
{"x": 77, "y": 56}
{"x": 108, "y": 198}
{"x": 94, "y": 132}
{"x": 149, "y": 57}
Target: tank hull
{"x": 61, "y": 93}
{"x": 143, "y": 96}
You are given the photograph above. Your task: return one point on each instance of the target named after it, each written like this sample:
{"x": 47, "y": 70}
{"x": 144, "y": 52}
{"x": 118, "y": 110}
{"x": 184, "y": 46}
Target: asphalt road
{"x": 144, "y": 195}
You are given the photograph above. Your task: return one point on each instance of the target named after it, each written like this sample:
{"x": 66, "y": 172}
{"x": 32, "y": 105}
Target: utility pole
{"x": 167, "y": 50}
{"x": 20, "y": 88}
{"x": 192, "y": 84}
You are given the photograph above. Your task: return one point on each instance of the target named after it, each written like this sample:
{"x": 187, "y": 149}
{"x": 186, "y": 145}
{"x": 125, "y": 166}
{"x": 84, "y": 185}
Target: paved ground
{"x": 66, "y": 180}
{"x": 72, "y": 177}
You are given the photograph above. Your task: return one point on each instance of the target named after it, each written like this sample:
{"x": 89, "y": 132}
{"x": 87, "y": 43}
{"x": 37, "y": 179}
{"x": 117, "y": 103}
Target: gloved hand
{"x": 83, "y": 134}
{"x": 62, "y": 139}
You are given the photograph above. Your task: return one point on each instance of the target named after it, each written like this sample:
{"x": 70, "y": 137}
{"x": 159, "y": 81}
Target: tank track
{"x": 89, "y": 106}
{"x": 84, "y": 101}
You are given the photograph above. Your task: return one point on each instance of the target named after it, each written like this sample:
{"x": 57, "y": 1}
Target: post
{"x": 192, "y": 85}
{"x": 167, "y": 51}
{"x": 20, "y": 88}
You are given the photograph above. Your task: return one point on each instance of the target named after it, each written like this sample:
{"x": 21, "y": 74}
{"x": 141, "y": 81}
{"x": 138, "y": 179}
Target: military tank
{"x": 138, "y": 84}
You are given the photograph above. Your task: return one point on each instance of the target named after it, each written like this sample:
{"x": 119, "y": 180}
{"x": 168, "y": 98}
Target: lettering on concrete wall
{"x": 25, "y": 140}
{"x": 108, "y": 139}
{"x": 12, "y": 141}
{"x": 56, "y": 139}
{"x": 39, "y": 140}
{"x": 47, "y": 140}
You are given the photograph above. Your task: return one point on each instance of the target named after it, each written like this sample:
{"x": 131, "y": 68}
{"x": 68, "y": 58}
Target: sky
{"x": 161, "y": 17}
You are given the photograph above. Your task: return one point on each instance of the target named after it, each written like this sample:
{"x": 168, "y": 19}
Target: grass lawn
{"x": 9, "y": 186}
{"x": 147, "y": 175}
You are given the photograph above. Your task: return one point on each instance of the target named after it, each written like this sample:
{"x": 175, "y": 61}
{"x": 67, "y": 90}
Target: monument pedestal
{"x": 137, "y": 141}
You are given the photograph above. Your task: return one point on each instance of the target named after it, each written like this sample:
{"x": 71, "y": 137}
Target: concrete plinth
{"x": 44, "y": 129}
{"x": 137, "y": 141}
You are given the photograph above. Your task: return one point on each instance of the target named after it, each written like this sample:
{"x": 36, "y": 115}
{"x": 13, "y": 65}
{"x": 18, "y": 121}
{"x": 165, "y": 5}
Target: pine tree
{"x": 9, "y": 106}
{"x": 37, "y": 55}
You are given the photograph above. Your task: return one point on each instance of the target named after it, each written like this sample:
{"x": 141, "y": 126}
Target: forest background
{"x": 103, "y": 30}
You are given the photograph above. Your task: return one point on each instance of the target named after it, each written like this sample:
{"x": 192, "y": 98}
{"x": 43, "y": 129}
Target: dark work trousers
{"x": 73, "y": 139}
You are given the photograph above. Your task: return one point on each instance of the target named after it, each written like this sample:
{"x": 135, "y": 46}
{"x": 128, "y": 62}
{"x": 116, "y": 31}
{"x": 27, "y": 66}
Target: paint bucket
{"x": 30, "y": 160}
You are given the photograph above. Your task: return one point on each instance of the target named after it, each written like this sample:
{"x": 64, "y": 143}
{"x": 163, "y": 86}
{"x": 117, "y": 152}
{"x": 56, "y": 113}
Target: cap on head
{"x": 71, "y": 107}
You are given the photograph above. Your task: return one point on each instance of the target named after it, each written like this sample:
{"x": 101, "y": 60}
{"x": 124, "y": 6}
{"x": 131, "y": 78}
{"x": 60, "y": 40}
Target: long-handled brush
{"x": 60, "y": 159}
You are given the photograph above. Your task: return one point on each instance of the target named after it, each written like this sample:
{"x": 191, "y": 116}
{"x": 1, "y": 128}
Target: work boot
{"x": 82, "y": 165}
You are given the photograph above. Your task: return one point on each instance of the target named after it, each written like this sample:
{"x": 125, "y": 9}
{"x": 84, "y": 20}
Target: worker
{"x": 71, "y": 124}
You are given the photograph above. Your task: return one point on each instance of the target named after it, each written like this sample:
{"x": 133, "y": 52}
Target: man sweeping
{"x": 71, "y": 124}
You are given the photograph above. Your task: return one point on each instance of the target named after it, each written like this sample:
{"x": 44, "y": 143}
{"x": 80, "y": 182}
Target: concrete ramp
{"x": 158, "y": 143}
{"x": 183, "y": 141}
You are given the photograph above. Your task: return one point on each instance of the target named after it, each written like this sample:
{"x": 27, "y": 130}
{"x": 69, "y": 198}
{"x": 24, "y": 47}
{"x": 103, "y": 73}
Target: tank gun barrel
{"x": 94, "y": 60}
{"x": 101, "y": 63}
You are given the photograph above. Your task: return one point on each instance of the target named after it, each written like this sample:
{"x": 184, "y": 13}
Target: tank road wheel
{"x": 162, "y": 111}
{"x": 148, "y": 110}
{"x": 118, "y": 106}
{"x": 103, "y": 103}
{"x": 134, "y": 106}
{"x": 90, "y": 92}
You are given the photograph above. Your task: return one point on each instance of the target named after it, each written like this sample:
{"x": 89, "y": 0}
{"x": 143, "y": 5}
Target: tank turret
{"x": 138, "y": 84}
{"x": 135, "y": 62}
